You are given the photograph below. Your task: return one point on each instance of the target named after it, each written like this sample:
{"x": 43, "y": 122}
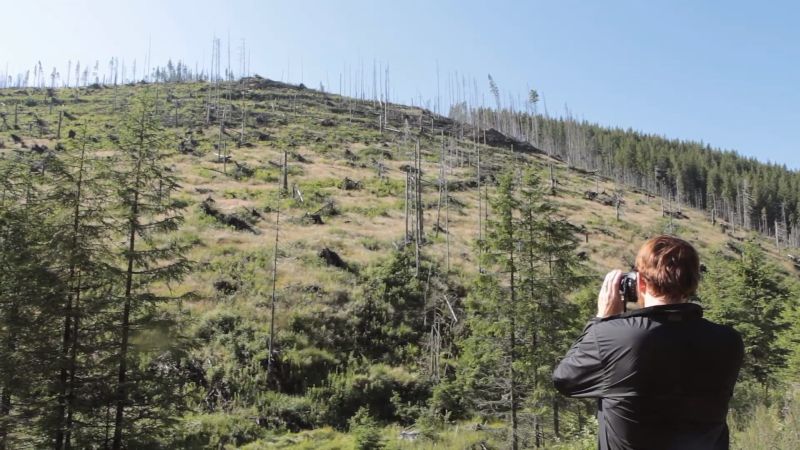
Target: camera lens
{"x": 627, "y": 287}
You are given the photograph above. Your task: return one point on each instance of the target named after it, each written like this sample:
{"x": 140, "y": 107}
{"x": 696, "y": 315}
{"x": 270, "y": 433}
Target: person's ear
{"x": 641, "y": 284}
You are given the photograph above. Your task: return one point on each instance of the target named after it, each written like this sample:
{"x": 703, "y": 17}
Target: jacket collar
{"x": 676, "y": 312}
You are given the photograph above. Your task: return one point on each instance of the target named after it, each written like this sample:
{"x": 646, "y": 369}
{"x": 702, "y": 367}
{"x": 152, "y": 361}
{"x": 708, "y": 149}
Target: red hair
{"x": 670, "y": 266}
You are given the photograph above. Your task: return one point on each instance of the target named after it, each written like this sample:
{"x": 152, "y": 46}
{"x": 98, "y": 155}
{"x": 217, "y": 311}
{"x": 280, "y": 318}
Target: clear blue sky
{"x": 722, "y": 72}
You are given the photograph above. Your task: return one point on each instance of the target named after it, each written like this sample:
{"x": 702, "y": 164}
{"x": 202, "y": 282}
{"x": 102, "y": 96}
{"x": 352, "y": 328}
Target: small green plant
{"x": 371, "y": 243}
{"x": 366, "y": 431}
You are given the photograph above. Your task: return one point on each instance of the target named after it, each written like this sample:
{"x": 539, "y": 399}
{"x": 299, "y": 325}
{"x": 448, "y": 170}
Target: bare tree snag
{"x": 285, "y": 173}
{"x": 480, "y": 205}
{"x": 60, "y": 119}
{"x": 405, "y": 236}
{"x": 272, "y": 306}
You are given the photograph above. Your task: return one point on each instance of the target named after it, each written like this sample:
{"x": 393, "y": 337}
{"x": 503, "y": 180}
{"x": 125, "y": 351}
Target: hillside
{"x": 344, "y": 215}
{"x": 330, "y": 139}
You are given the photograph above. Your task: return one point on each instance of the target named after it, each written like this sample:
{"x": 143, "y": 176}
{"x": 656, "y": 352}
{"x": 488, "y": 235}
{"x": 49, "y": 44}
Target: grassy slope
{"x": 370, "y": 220}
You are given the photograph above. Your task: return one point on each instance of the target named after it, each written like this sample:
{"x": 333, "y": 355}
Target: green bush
{"x": 305, "y": 367}
{"x": 379, "y": 387}
{"x": 285, "y": 412}
{"x": 366, "y": 431}
{"x": 386, "y": 320}
{"x": 448, "y": 400}
{"x": 768, "y": 426}
{"x": 218, "y": 430}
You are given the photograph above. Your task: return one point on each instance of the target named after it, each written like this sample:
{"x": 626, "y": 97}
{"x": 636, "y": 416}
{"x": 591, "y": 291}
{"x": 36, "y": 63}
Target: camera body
{"x": 627, "y": 288}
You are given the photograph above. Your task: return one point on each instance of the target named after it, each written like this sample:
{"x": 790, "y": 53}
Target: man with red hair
{"x": 662, "y": 374}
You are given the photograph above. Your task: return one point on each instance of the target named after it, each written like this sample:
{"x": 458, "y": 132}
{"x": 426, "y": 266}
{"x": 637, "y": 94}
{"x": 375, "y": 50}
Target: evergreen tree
{"x": 790, "y": 338}
{"x": 79, "y": 203}
{"x": 518, "y": 317}
{"x": 148, "y": 212}
{"x": 550, "y": 272}
{"x": 747, "y": 294}
{"x": 491, "y": 371}
{"x": 29, "y": 298}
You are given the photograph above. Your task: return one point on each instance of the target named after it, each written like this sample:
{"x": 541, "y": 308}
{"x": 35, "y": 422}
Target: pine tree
{"x": 148, "y": 212}
{"x": 29, "y": 297}
{"x": 747, "y": 294}
{"x": 790, "y": 337}
{"x": 490, "y": 351}
{"x": 519, "y": 319}
{"x": 79, "y": 201}
{"x": 549, "y": 272}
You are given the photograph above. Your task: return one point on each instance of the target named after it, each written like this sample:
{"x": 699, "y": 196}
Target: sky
{"x": 722, "y": 72}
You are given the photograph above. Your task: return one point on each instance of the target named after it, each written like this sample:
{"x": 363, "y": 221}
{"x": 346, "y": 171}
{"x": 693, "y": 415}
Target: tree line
{"x": 745, "y": 193}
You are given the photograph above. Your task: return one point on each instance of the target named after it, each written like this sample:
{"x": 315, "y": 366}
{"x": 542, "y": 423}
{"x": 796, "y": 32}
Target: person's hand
{"x": 609, "y": 300}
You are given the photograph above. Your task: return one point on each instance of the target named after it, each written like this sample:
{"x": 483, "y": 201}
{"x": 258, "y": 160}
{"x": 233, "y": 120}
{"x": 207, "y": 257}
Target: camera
{"x": 627, "y": 288}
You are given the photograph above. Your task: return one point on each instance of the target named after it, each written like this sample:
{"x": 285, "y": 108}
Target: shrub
{"x": 366, "y": 431}
{"x": 448, "y": 399}
{"x": 218, "y": 430}
{"x": 285, "y": 412}
{"x": 768, "y": 426}
{"x": 379, "y": 387}
{"x": 305, "y": 367}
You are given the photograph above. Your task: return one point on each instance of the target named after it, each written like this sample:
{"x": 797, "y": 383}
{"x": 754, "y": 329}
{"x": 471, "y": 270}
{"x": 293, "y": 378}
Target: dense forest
{"x": 136, "y": 311}
{"x": 742, "y": 191}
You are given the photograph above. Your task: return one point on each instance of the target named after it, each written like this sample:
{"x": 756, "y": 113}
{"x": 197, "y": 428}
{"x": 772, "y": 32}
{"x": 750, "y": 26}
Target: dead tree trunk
{"x": 418, "y": 206}
{"x": 285, "y": 173}
{"x": 272, "y": 307}
{"x": 713, "y": 209}
{"x": 405, "y": 237}
{"x": 441, "y": 189}
{"x": 60, "y": 118}
{"x": 244, "y": 120}
{"x": 447, "y": 221}
{"x": 220, "y": 156}
{"x": 420, "y": 227}
{"x": 480, "y": 207}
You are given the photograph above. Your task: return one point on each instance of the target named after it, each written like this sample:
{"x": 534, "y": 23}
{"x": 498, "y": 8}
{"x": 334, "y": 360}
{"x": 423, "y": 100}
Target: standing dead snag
{"x": 244, "y": 119}
{"x": 447, "y": 220}
{"x": 221, "y": 156}
{"x": 418, "y": 204}
{"x": 405, "y": 236}
{"x": 285, "y": 173}
{"x": 272, "y": 307}
{"x": 442, "y": 181}
{"x": 60, "y": 119}
{"x": 480, "y": 205}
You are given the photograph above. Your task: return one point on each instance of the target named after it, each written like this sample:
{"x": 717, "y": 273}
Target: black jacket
{"x": 663, "y": 376}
